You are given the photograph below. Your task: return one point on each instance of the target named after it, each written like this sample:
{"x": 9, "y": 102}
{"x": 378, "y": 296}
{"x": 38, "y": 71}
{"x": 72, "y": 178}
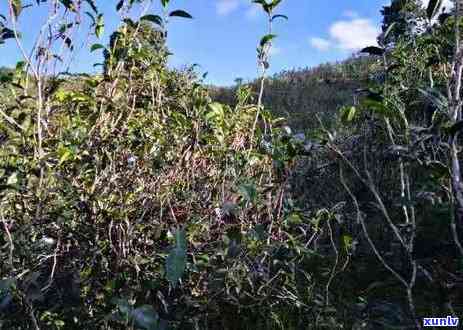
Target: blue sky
{"x": 223, "y": 35}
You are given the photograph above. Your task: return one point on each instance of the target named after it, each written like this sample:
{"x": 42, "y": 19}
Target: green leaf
{"x": 68, "y": 42}
{"x": 176, "y": 260}
{"x": 351, "y": 114}
{"x": 146, "y": 317}
{"x": 348, "y": 113}
{"x": 267, "y": 7}
{"x": 17, "y": 7}
{"x": 129, "y": 22}
{"x": 180, "y": 239}
{"x": 279, "y": 16}
{"x": 373, "y": 50}
{"x": 433, "y": 8}
{"x": 6, "y": 33}
{"x": 274, "y": 4}
{"x": 164, "y": 3}
{"x": 12, "y": 179}
{"x": 175, "y": 265}
{"x": 216, "y": 107}
{"x": 347, "y": 242}
{"x": 68, "y": 4}
{"x": 294, "y": 219}
{"x": 156, "y": 19}
{"x": 119, "y": 5}
{"x": 96, "y": 47}
{"x": 389, "y": 29}
{"x": 91, "y": 17}
{"x": 20, "y": 66}
{"x": 248, "y": 191}
{"x": 217, "y": 111}
{"x": 64, "y": 154}
{"x": 180, "y": 13}
{"x": 64, "y": 27}
{"x": 99, "y": 27}
{"x": 258, "y": 233}
{"x": 266, "y": 39}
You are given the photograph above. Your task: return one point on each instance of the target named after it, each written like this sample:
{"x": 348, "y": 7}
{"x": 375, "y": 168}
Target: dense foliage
{"x": 139, "y": 198}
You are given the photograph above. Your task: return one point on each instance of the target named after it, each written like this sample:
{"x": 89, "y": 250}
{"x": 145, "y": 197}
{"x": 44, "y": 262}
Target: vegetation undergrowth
{"x": 132, "y": 199}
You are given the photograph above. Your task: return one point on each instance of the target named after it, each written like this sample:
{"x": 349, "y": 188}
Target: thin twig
{"x": 10, "y": 239}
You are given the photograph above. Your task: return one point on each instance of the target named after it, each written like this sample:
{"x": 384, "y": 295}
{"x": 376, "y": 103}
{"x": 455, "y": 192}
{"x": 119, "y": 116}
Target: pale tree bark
{"x": 455, "y": 106}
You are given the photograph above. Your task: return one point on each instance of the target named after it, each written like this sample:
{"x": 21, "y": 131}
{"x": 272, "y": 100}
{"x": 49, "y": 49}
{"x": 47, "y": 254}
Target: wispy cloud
{"x": 225, "y": 7}
{"x": 253, "y": 11}
{"x": 320, "y": 43}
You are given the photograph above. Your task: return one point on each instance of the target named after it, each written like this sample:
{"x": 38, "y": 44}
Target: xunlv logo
{"x": 440, "y": 321}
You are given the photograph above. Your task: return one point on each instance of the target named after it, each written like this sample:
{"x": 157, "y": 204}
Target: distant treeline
{"x": 299, "y": 94}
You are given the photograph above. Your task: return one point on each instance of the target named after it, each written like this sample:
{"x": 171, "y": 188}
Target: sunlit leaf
{"x": 12, "y": 179}
{"x": 266, "y": 39}
{"x": 99, "y": 28}
{"x": 347, "y": 242}
{"x": 156, "y": 19}
{"x": 68, "y": 4}
{"x": 17, "y": 7}
{"x": 96, "y": 47}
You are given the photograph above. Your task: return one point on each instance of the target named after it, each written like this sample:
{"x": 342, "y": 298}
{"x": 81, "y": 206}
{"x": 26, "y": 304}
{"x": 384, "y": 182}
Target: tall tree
{"x": 404, "y": 17}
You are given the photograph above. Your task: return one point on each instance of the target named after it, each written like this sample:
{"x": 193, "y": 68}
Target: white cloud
{"x": 354, "y": 34}
{"x": 225, "y": 7}
{"x": 349, "y": 35}
{"x": 320, "y": 43}
{"x": 253, "y": 11}
{"x": 447, "y": 4}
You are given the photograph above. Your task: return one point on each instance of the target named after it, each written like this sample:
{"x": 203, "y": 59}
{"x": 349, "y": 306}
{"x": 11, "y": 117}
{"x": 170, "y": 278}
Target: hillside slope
{"x": 299, "y": 94}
